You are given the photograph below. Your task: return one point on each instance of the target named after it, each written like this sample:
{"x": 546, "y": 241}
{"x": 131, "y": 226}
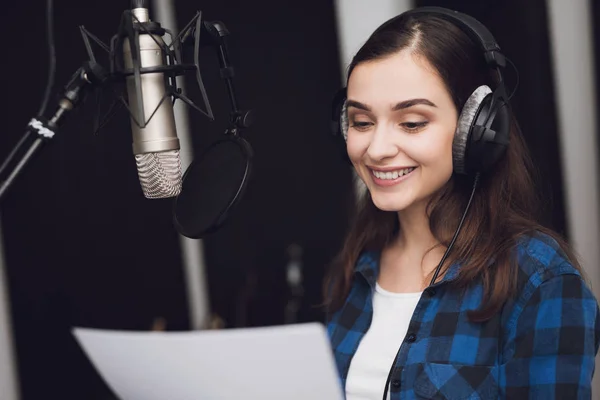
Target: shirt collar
{"x": 368, "y": 266}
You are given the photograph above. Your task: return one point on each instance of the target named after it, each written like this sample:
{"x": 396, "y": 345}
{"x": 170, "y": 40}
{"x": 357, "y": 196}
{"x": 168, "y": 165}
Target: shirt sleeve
{"x": 551, "y": 347}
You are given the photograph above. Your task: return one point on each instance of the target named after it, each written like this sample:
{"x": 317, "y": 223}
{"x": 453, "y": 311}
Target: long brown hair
{"x": 505, "y": 204}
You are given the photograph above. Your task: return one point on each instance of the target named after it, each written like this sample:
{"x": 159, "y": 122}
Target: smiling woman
{"x": 498, "y": 309}
{"x": 389, "y": 136}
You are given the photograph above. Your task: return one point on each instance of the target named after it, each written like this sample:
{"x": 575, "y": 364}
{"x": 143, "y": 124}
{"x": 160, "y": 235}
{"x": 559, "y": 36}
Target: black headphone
{"x": 483, "y": 127}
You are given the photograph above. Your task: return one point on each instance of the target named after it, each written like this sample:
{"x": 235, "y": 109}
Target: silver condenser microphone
{"x": 155, "y": 146}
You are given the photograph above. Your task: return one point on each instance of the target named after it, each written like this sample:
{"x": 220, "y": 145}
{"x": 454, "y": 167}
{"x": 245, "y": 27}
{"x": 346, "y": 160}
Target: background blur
{"x": 82, "y": 246}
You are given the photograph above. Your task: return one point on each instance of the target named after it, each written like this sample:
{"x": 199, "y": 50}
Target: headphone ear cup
{"x": 461, "y": 156}
{"x": 488, "y": 145}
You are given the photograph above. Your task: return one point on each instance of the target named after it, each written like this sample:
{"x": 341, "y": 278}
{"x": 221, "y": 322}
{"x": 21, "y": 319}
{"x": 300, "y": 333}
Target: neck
{"x": 415, "y": 235}
{"x": 406, "y": 264}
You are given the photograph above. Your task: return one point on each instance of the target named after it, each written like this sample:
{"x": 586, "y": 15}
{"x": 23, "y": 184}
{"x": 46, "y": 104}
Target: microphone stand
{"x": 218, "y": 32}
{"x": 294, "y": 280}
{"x": 90, "y": 75}
{"x": 86, "y": 77}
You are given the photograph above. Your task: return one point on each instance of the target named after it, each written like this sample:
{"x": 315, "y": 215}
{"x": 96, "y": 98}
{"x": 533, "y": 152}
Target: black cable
{"x": 49, "y": 83}
{"x": 437, "y": 270}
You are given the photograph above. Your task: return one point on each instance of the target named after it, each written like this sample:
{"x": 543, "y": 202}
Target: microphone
{"x": 215, "y": 181}
{"x": 155, "y": 142}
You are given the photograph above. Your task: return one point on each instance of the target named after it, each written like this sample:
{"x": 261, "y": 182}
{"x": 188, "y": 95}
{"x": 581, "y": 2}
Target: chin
{"x": 387, "y": 202}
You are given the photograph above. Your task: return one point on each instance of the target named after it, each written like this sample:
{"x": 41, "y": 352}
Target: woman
{"x": 446, "y": 287}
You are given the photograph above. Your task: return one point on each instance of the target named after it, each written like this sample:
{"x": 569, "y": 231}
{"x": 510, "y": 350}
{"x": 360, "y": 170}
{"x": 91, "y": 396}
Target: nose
{"x": 382, "y": 145}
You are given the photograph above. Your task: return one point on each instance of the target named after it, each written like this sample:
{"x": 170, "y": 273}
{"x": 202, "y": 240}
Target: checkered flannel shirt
{"x": 542, "y": 344}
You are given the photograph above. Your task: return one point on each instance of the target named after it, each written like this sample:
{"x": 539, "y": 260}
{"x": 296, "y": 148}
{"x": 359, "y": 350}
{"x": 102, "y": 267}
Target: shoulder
{"x": 547, "y": 278}
{"x": 552, "y": 328}
{"x": 540, "y": 257}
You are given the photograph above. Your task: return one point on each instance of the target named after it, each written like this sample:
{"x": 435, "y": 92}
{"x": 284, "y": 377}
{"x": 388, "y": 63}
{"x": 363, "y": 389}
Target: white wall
{"x": 571, "y": 38}
{"x": 163, "y": 11}
{"x": 357, "y": 19}
{"x": 8, "y": 364}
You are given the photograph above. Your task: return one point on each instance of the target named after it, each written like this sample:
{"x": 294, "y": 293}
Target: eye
{"x": 361, "y": 125}
{"x": 414, "y": 126}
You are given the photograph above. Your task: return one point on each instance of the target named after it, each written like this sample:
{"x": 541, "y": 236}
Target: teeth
{"x": 394, "y": 174}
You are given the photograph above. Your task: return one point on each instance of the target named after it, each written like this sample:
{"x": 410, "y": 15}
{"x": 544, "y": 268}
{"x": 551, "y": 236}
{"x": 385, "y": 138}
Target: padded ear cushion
{"x": 339, "y": 124}
{"x": 463, "y": 128}
{"x": 338, "y": 111}
{"x": 344, "y": 123}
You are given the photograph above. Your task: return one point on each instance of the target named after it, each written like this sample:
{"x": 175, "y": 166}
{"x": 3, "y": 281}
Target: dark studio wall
{"x": 85, "y": 248}
{"x": 82, "y": 245}
{"x": 521, "y": 30}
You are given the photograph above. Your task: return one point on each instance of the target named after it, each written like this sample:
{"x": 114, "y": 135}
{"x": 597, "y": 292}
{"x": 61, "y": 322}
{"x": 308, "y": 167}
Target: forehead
{"x": 395, "y": 78}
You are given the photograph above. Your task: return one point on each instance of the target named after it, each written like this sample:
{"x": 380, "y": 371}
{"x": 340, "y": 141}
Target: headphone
{"x": 483, "y": 126}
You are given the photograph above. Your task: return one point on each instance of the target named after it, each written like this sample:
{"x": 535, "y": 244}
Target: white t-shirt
{"x": 373, "y": 359}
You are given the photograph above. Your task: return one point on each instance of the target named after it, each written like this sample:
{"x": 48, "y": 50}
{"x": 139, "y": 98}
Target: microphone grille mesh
{"x": 159, "y": 173}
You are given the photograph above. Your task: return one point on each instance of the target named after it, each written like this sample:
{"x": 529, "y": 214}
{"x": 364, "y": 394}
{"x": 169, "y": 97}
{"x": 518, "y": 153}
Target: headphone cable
{"x": 437, "y": 270}
{"x": 460, "y": 224}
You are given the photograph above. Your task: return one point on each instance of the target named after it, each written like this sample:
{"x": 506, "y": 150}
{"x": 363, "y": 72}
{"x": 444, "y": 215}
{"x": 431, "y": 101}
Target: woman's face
{"x": 401, "y": 126}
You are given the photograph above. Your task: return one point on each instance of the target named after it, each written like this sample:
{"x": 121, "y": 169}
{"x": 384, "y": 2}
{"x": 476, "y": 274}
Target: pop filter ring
{"x": 218, "y": 221}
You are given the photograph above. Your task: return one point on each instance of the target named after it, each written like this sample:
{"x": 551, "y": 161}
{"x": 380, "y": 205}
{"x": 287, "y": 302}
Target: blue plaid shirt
{"x": 542, "y": 344}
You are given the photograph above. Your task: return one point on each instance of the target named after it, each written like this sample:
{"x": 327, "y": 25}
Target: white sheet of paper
{"x": 292, "y": 362}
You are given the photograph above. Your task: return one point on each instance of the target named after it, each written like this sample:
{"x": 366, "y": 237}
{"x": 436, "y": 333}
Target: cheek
{"x": 356, "y": 146}
{"x": 434, "y": 150}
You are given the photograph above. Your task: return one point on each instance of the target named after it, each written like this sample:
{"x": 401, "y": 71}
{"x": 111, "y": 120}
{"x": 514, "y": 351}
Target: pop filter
{"x": 212, "y": 186}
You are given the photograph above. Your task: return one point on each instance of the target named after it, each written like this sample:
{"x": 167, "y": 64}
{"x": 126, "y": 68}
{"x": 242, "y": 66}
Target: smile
{"x": 388, "y": 178}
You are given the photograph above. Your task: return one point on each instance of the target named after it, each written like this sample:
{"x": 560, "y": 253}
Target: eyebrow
{"x": 399, "y": 106}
